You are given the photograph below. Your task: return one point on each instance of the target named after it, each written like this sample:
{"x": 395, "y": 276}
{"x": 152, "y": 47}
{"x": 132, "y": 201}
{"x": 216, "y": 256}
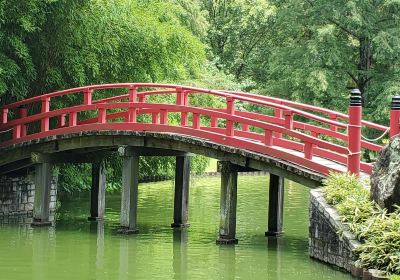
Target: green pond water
{"x": 77, "y": 249}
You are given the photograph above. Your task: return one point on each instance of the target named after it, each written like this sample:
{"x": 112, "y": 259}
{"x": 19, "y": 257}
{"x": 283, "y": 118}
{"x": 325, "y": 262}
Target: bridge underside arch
{"x": 87, "y": 146}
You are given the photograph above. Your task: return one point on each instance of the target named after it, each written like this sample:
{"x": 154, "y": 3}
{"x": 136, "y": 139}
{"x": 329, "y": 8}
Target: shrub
{"x": 378, "y": 231}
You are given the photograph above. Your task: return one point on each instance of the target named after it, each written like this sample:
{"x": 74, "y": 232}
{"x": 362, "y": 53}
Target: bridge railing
{"x": 278, "y": 134}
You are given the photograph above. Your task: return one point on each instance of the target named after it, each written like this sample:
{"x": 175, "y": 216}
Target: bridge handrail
{"x": 331, "y": 113}
{"x": 134, "y": 103}
{"x": 254, "y": 99}
{"x": 187, "y": 109}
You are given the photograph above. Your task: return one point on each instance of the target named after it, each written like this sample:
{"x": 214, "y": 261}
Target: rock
{"x": 385, "y": 177}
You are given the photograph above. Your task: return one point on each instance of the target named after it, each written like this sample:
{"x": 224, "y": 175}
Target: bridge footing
{"x": 275, "y": 207}
{"x": 181, "y": 197}
{"x": 228, "y": 201}
{"x": 41, "y": 211}
{"x": 129, "y": 199}
{"x": 98, "y": 192}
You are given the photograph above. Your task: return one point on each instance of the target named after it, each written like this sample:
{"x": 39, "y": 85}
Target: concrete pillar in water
{"x": 129, "y": 199}
{"x": 181, "y": 198}
{"x": 41, "y": 211}
{"x": 228, "y": 199}
{"x": 275, "y": 208}
{"x": 98, "y": 191}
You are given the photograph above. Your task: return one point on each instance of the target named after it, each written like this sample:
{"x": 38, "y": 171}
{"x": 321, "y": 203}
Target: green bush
{"x": 378, "y": 231}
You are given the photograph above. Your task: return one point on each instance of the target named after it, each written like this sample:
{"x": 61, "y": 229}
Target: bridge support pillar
{"x": 275, "y": 207}
{"x": 98, "y": 191}
{"x": 129, "y": 200}
{"x": 181, "y": 198}
{"x": 41, "y": 211}
{"x": 228, "y": 199}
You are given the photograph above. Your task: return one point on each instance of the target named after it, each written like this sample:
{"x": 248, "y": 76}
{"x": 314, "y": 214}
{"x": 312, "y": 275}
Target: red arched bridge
{"x": 302, "y": 134}
{"x": 241, "y": 128}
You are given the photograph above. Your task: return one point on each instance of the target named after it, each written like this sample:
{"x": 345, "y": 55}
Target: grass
{"x": 378, "y": 230}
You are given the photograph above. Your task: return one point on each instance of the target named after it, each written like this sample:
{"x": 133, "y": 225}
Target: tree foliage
{"x": 311, "y": 51}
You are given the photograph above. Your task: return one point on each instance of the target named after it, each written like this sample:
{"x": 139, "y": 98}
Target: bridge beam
{"x": 129, "y": 199}
{"x": 41, "y": 211}
{"x": 98, "y": 191}
{"x": 181, "y": 197}
{"x": 275, "y": 207}
{"x": 228, "y": 201}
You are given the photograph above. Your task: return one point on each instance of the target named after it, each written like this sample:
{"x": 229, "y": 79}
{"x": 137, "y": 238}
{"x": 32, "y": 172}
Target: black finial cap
{"x": 396, "y": 102}
{"x": 355, "y": 98}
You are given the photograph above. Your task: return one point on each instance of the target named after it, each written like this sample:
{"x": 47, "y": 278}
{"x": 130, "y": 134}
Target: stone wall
{"x": 325, "y": 242}
{"x": 17, "y": 197}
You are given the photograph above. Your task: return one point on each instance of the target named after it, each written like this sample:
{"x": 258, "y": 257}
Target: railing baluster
{"x": 17, "y": 132}
{"x": 196, "y": 121}
{"x": 245, "y": 127}
{"x": 230, "y": 109}
{"x": 44, "y": 125}
{"x": 268, "y": 137}
{"x": 183, "y": 100}
{"x": 102, "y": 115}
{"x": 87, "y": 96}
{"x": 23, "y": 113}
{"x": 61, "y": 120}
{"x": 214, "y": 121}
{"x": 164, "y": 117}
{"x": 132, "y": 112}
{"x": 333, "y": 118}
{"x": 288, "y": 119}
{"x": 154, "y": 117}
{"x": 142, "y": 98}
{"x": 4, "y": 116}
{"x": 308, "y": 150}
{"x": 278, "y": 114}
{"x": 73, "y": 119}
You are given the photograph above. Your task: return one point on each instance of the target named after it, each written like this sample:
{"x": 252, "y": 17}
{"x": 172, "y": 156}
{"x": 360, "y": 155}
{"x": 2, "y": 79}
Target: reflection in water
{"x": 227, "y": 262}
{"x": 77, "y": 249}
{"x": 179, "y": 253}
{"x": 43, "y": 250}
{"x": 97, "y": 227}
{"x": 275, "y": 245}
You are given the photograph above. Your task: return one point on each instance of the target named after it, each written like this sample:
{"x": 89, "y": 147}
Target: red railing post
{"x": 354, "y": 132}
{"x": 87, "y": 96}
{"x": 142, "y": 98}
{"x": 44, "y": 124}
{"x": 214, "y": 121}
{"x": 245, "y": 127}
{"x": 268, "y": 137}
{"x": 73, "y": 119}
{"x": 164, "y": 117}
{"x": 395, "y": 116}
{"x": 288, "y": 119}
{"x": 230, "y": 109}
{"x": 182, "y": 99}
{"x": 4, "y": 116}
{"x": 308, "y": 150}
{"x": 333, "y": 118}
{"x": 196, "y": 120}
{"x": 102, "y": 115}
{"x": 17, "y": 132}
{"x": 23, "y": 113}
{"x": 132, "y": 112}
{"x": 278, "y": 114}
{"x": 154, "y": 117}
{"x": 61, "y": 120}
